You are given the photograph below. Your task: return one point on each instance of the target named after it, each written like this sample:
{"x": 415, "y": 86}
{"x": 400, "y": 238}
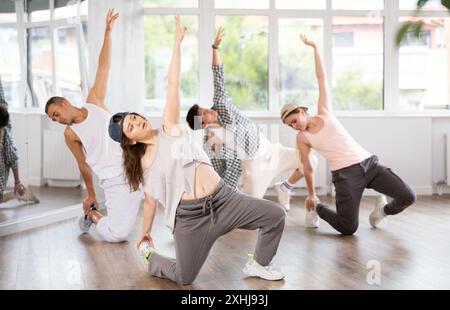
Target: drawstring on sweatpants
{"x": 207, "y": 204}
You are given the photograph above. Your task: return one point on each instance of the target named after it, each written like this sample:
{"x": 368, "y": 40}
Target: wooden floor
{"x": 413, "y": 252}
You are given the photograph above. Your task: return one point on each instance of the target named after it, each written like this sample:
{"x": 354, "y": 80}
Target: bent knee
{"x": 349, "y": 229}
{"x": 277, "y": 213}
{"x": 186, "y": 279}
{"x": 409, "y": 199}
{"x": 116, "y": 236}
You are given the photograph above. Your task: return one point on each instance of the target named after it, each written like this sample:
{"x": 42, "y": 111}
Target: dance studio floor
{"x": 413, "y": 252}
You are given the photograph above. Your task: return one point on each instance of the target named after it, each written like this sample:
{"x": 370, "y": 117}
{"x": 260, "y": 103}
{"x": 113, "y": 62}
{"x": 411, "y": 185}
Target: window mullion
{"x": 391, "y": 57}
{"x": 274, "y": 78}
{"x": 328, "y": 46}
{"x": 206, "y": 34}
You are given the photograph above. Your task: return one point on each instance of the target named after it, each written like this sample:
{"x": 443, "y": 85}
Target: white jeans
{"x": 122, "y": 207}
{"x": 259, "y": 173}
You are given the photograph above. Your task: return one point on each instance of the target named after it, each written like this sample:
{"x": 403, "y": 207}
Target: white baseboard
{"x": 35, "y": 181}
{"x": 64, "y": 183}
{"x": 445, "y": 189}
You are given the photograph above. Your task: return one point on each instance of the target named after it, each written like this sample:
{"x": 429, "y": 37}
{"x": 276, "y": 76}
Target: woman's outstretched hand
{"x": 306, "y": 41}
{"x": 180, "y": 31}
{"x": 111, "y": 19}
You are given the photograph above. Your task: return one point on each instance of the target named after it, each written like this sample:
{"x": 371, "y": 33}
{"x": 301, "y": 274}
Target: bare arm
{"x": 171, "y": 116}
{"x": 216, "y": 56}
{"x": 149, "y": 216}
{"x": 97, "y": 93}
{"x": 308, "y": 169}
{"x": 324, "y": 106}
{"x": 76, "y": 148}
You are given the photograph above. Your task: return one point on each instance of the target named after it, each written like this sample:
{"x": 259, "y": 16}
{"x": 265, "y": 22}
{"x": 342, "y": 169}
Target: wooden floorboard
{"x": 413, "y": 252}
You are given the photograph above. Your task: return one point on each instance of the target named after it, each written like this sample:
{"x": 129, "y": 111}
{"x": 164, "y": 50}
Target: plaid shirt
{"x": 246, "y": 134}
{"x": 9, "y": 158}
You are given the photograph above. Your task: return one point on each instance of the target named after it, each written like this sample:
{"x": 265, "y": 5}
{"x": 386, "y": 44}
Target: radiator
{"x": 447, "y": 156}
{"x": 59, "y": 163}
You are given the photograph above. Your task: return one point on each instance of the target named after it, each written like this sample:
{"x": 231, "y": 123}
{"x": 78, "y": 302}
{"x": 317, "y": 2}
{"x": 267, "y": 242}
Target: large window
{"x": 297, "y": 71}
{"x": 37, "y": 10}
{"x": 7, "y": 11}
{"x": 432, "y": 5}
{"x": 239, "y": 4}
{"x": 424, "y": 66}
{"x": 10, "y": 65}
{"x": 245, "y": 56}
{"x": 50, "y": 53}
{"x": 158, "y": 52}
{"x": 40, "y": 65}
{"x": 357, "y": 63}
{"x": 68, "y": 74}
{"x": 267, "y": 66}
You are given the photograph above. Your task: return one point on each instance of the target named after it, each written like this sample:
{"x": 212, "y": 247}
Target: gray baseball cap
{"x": 115, "y": 128}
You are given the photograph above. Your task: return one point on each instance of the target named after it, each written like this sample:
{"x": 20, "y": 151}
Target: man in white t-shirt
{"x": 88, "y": 139}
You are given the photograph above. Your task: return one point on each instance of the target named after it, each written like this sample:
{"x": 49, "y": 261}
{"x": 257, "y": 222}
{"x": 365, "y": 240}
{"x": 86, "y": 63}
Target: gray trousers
{"x": 199, "y": 223}
{"x": 350, "y": 183}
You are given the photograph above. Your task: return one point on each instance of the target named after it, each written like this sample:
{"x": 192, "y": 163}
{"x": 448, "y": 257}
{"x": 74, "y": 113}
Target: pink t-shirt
{"x": 335, "y": 144}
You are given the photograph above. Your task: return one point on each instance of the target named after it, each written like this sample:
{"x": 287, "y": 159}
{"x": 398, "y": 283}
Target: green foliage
{"x": 159, "y": 36}
{"x": 353, "y": 93}
{"x": 244, "y": 52}
{"x": 415, "y": 27}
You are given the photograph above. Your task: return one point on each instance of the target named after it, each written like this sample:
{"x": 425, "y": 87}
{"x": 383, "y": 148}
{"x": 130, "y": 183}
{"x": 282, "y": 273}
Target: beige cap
{"x": 288, "y": 108}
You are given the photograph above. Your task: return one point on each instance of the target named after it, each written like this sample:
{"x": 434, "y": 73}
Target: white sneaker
{"x": 377, "y": 216}
{"x": 284, "y": 198}
{"x": 145, "y": 251}
{"x": 27, "y": 196}
{"x": 311, "y": 217}
{"x": 269, "y": 272}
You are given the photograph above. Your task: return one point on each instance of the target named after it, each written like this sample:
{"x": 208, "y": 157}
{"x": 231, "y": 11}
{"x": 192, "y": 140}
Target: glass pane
{"x": 424, "y": 66}
{"x": 239, "y": 4}
{"x": 40, "y": 55}
{"x": 84, "y": 8}
{"x": 301, "y": 4}
{"x": 10, "y": 66}
{"x": 158, "y": 52}
{"x": 244, "y": 52}
{"x": 171, "y": 3}
{"x": 7, "y": 11}
{"x": 431, "y": 5}
{"x": 68, "y": 79}
{"x": 297, "y": 69}
{"x": 38, "y": 10}
{"x": 358, "y": 5}
{"x": 358, "y": 63}
{"x": 65, "y": 8}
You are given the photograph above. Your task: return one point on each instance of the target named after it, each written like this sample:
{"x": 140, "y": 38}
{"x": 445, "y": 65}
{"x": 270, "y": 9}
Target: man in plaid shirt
{"x": 234, "y": 143}
{"x": 9, "y": 158}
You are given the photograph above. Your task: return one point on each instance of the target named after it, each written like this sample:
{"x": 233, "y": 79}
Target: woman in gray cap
{"x": 353, "y": 168}
{"x": 199, "y": 206}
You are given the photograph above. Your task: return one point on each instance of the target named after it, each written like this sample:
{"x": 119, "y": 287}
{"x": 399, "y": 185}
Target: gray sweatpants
{"x": 350, "y": 183}
{"x": 199, "y": 223}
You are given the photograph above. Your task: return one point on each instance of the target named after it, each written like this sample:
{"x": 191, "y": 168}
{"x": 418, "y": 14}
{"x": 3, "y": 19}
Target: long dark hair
{"x": 132, "y": 155}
